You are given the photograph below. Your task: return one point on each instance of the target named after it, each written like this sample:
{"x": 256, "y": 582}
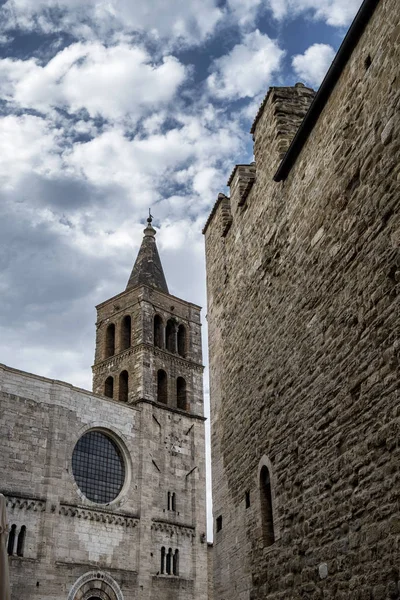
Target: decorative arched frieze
{"x": 99, "y": 516}
{"x": 172, "y": 529}
{"x": 34, "y": 504}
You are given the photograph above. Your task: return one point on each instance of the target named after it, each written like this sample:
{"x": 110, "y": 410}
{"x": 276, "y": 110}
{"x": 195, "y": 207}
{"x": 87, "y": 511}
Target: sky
{"x": 109, "y": 108}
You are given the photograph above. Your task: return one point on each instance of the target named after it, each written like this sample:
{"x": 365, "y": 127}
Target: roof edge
{"x": 322, "y": 96}
{"x": 221, "y": 196}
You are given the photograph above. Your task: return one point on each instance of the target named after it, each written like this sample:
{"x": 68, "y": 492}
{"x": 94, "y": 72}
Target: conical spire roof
{"x": 147, "y": 269}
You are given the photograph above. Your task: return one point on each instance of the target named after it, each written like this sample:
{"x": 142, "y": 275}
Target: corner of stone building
{"x": 220, "y": 217}
{"x": 215, "y": 231}
{"x": 276, "y": 124}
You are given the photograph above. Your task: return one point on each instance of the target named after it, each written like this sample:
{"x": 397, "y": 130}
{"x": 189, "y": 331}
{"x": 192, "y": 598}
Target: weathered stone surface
{"x": 303, "y": 313}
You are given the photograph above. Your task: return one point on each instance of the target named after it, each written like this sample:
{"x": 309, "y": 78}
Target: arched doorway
{"x": 95, "y": 585}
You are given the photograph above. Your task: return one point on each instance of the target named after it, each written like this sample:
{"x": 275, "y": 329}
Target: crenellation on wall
{"x": 276, "y": 123}
{"x": 240, "y": 183}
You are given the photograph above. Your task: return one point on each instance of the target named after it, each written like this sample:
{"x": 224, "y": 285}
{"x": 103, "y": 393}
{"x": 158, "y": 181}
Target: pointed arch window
{"x": 181, "y": 393}
{"x": 126, "y": 332}
{"x": 170, "y": 336}
{"x": 266, "y": 507}
{"x": 109, "y": 349}
{"x": 21, "y": 541}
{"x": 162, "y": 387}
{"x": 109, "y": 387}
{"x": 123, "y": 386}
{"x": 158, "y": 332}
{"x": 182, "y": 340}
{"x": 11, "y": 540}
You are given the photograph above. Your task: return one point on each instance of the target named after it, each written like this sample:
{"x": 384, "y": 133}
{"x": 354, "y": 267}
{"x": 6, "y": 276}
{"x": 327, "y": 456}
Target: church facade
{"x": 303, "y": 284}
{"x": 105, "y": 490}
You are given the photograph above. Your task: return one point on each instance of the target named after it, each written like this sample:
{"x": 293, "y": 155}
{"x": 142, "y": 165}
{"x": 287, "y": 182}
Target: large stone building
{"x": 106, "y": 490}
{"x": 303, "y": 272}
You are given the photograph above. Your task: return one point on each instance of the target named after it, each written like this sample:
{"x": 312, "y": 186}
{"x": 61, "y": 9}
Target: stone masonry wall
{"x": 67, "y": 535}
{"x": 303, "y": 312}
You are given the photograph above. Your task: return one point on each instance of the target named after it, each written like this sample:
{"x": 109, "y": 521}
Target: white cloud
{"x": 337, "y": 13}
{"x": 244, "y": 11}
{"x": 27, "y": 145}
{"x": 311, "y": 67}
{"x": 113, "y": 82}
{"x": 247, "y": 69}
{"x": 190, "y": 22}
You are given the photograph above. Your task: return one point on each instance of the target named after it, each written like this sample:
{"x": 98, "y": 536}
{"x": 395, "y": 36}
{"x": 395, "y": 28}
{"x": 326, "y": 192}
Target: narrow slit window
{"x": 181, "y": 393}
{"x": 169, "y": 500}
{"x": 266, "y": 507}
{"x": 162, "y": 560}
{"x": 126, "y": 332}
{"x": 162, "y": 387}
{"x": 123, "y": 386}
{"x": 110, "y": 341}
{"x": 173, "y": 502}
{"x": 170, "y": 336}
{"x": 169, "y": 562}
{"x": 109, "y": 387}
{"x": 11, "y": 540}
{"x": 219, "y": 523}
{"x": 21, "y": 541}
{"x": 175, "y": 563}
{"x": 158, "y": 332}
{"x": 182, "y": 340}
{"x": 247, "y": 499}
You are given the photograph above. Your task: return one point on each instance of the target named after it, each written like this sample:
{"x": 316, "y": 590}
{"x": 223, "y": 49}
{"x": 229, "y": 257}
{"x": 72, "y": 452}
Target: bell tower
{"x": 148, "y": 357}
{"x": 148, "y": 342}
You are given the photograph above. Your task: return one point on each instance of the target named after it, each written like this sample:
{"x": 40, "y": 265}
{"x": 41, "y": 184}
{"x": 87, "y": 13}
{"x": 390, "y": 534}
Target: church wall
{"x": 63, "y": 528}
{"x": 303, "y": 319}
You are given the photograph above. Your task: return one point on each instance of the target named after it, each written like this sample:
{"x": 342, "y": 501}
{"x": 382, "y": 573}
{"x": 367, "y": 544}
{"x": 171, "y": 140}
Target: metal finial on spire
{"x": 150, "y": 217}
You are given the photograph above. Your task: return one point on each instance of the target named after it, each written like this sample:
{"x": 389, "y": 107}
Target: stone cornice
{"x": 170, "y": 409}
{"x": 171, "y": 528}
{"x": 23, "y": 502}
{"x": 117, "y": 359}
{"x": 102, "y": 516}
{"x": 176, "y": 359}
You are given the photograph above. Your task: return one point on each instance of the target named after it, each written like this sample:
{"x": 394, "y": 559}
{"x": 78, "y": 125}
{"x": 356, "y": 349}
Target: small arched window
{"x": 21, "y": 541}
{"x": 181, "y": 393}
{"x": 169, "y": 562}
{"x": 11, "y": 540}
{"x": 182, "y": 340}
{"x": 266, "y": 507}
{"x": 126, "y": 332}
{"x": 123, "y": 386}
{"x": 162, "y": 560}
{"x": 110, "y": 341}
{"x": 173, "y": 501}
{"x": 170, "y": 336}
{"x": 175, "y": 563}
{"x": 162, "y": 387}
{"x": 158, "y": 332}
{"x": 109, "y": 387}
